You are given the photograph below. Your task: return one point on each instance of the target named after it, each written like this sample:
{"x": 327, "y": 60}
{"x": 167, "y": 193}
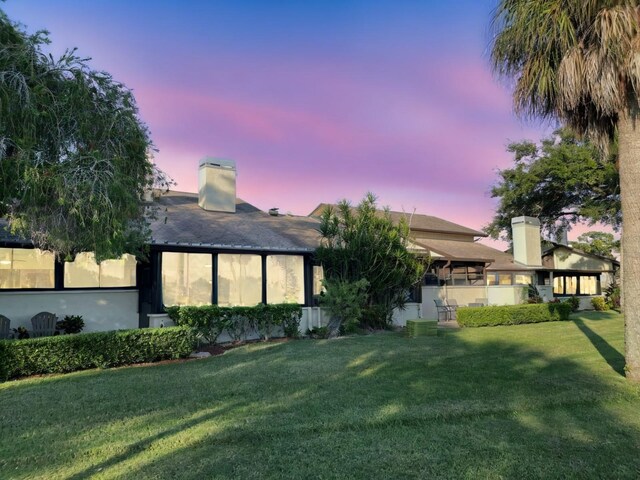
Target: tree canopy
{"x": 74, "y": 154}
{"x": 597, "y": 243}
{"x": 578, "y": 61}
{"x": 363, "y": 243}
{"x": 562, "y": 181}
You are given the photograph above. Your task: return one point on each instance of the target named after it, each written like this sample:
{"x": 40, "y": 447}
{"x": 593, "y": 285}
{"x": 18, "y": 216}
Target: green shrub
{"x": 599, "y": 304}
{"x": 345, "y": 301}
{"x": 71, "y": 324}
{"x": 612, "y": 294}
{"x": 209, "y": 321}
{"x": 574, "y": 302}
{"x": 68, "y": 353}
{"x": 318, "y": 332}
{"x": 512, "y": 314}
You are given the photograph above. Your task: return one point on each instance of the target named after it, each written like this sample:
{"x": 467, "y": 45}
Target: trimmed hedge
{"x": 68, "y": 353}
{"x": 512, "y": 314}
{"x": 209, "y": 321}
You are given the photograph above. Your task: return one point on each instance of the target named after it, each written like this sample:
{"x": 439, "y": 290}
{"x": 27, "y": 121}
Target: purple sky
{"x": 315, "y": 101}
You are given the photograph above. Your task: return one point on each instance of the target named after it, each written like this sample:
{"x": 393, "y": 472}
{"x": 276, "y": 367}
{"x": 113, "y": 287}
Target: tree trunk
{"x": 629, "y": 157}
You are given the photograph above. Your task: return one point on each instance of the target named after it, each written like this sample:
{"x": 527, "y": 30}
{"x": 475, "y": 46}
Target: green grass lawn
{"x": 528, "y": 401}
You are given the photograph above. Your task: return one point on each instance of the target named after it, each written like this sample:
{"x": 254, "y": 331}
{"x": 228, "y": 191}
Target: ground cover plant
{"x": 543, "y": 400}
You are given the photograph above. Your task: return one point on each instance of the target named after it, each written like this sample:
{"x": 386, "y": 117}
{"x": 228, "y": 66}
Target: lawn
{"x": 527, "y": 401}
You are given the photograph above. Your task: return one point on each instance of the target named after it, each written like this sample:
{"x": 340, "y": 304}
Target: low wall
{"x": 100, "y": 309}
{"x": 410, "y": 312}
{"x": 464, "y": 295}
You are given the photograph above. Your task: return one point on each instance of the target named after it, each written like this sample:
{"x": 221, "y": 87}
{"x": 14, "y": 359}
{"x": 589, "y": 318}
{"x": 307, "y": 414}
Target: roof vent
{"x": 217, "y": 185}
{"x": 274, "y": 211}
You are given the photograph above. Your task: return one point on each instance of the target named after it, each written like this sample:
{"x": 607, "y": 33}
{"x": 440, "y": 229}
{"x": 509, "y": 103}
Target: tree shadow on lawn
{"x": 380, "y": 407}
{"x": 610, "y": 354}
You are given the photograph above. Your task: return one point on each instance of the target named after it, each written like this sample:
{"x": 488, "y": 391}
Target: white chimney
{"x": 217, "y": 185}
{"x": 526, "y": 241}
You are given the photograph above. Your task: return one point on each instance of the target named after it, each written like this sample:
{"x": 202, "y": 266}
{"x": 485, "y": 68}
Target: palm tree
{"x": 578, "y": 61}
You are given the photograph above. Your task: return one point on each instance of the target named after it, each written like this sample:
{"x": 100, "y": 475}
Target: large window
{"x": 576, "y": 284}
{"x": 26, "y": 268}
{"x": 285, "y": 279}
{"x": 239, "y": 280}
{"x": 523, "y": 279}
{"x": 186, "y": 278}
{"x": 84, "y": 272}
{"x": 499, "y": 279}
{"x": 318, "y": 277}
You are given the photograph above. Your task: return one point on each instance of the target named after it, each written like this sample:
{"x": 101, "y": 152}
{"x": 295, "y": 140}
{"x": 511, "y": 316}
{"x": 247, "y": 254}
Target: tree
{"x": 362, "y": 243}
{"x": 74, "y": 155}
{"x": 562, "y": 181}
{"x": 597, "y": 243}
{"x": 578, "y": 61}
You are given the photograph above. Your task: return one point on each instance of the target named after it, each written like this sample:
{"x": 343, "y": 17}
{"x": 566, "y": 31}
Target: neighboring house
{"x": 212, "y": 247}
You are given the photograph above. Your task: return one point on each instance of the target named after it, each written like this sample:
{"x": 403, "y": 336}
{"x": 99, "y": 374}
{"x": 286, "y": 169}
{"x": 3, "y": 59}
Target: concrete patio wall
{"x": 100, "y": 309}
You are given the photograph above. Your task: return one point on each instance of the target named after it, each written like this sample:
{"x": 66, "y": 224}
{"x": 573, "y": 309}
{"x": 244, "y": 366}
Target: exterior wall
{"x": 565, "y": 259}
{"x": 410, "y": 312}
{"x": 495, "y": 295}
{"x": 101, "y": 310}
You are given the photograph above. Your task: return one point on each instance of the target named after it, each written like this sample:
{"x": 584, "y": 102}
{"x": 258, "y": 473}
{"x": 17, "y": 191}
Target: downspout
{"x": 486, "y": 283}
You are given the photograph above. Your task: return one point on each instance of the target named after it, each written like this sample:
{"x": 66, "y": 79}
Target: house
{"x": 212, "y": 247}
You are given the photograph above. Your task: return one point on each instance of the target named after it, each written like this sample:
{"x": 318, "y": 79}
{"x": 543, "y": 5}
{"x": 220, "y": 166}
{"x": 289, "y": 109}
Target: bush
{"x": 344, "y": 300}
{"x": 574, "y": 302}
{"x": 612, "y": 294}
{"x": 68, "y": 353}
{"x": 71, "y": 324}
{"x": 209, "y": 321}
{"x": 599, "y": 304}
{"x": 318, "y": 332}
{"x": 512, "y": 314}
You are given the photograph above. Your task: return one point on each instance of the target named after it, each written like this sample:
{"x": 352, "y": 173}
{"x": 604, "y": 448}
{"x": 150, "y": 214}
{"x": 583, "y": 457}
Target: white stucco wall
{"x": 565, "y": 259}
{"x": 464, "y": 295}
{"x": 410, "y": 312}
{"x": 101, "y": 309}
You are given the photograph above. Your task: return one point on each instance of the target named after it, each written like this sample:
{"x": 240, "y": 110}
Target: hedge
{"x": 512, "y": 314}
{"x": 209, "y": 321}
{"x": 68, "y": 353}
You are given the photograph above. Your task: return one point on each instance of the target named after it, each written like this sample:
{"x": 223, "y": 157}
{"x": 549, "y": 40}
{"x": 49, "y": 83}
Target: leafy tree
{"x": 578, "y": 61}
{"x": 562, "y": 181}
{"x": 597, "y": 243}
{"x": 363, "y": 244}
{"x": 74, "y": 155}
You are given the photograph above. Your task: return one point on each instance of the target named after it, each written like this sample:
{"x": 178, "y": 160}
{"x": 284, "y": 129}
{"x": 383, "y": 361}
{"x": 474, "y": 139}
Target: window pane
{"x": 26, "y": 268}
{"x": 318, "y": 276}
{"x": 589, "y": 285}
{"x": 82, "y": 272}
{"x": 285, "y": 279}
{"x": 239, "y": 280}
{"x": 523, "y": 279}
{"x": 186, "y": 278}
{"x": 558, "y": 285}
{"x": 492, "y": 279}
{"x": 118, "y": 273}
{"x": 504, "y": 279}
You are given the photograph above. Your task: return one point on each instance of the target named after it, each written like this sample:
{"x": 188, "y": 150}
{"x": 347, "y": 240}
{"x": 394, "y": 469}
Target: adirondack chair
{"x": 44, "y": 324}
{"x": 452, "y": 303}
{"x": 5, "y": 331}
{"x": 443, "y": 310}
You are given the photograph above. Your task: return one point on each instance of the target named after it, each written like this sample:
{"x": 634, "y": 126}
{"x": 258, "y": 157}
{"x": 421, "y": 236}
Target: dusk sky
{"x": 315, "y": 101}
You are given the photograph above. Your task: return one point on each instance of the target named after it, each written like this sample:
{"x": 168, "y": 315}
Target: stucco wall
{"x": 495, "y": 294}
{"x": 101, "y": 309}
{"x": 565, "y": 259}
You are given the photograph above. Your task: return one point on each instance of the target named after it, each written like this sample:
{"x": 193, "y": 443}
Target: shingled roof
{"x": 181, "y": 222}
{"x": 418, "y": 222}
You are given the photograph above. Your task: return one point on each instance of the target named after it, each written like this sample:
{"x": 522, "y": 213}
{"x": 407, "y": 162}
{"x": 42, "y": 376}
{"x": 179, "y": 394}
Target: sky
{"x": 315, "y": 101}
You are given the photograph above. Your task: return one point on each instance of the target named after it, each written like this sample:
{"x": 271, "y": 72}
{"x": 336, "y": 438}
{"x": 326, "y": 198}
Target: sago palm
{"x": 579, "y": 61}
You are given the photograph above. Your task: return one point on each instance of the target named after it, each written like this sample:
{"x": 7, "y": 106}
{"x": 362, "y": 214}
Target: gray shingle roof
{"x": 182, "y": 222}
{"x": 418, "y": 222}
